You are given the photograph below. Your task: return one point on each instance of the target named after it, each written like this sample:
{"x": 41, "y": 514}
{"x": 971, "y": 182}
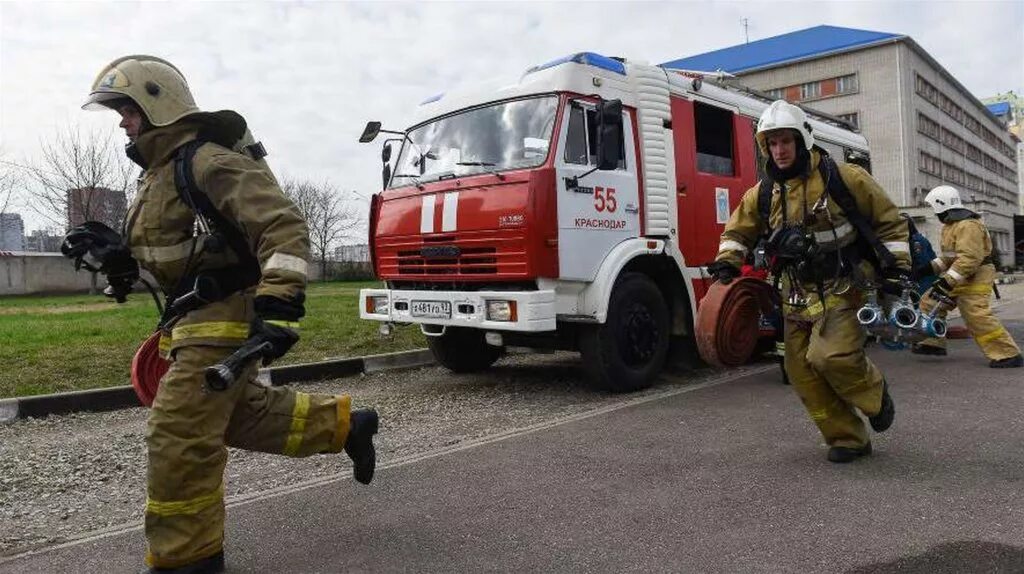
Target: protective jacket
{"x": 160, "y": 230}
{"x": 832, "y": 230}
{"x": 966, "y": 247}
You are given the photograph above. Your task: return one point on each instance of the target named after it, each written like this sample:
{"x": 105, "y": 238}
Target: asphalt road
{"x": 723, "y": 477}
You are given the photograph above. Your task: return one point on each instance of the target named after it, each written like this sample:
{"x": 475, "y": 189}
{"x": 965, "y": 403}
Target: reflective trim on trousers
{"x": 293, "y": 325}
{"x": 990, "y": 336}
{"x": 299, "y": 413}
{"x": 190, "y": 506}
{"x": 975, "y": 289}
{"x": 212, "y": 330}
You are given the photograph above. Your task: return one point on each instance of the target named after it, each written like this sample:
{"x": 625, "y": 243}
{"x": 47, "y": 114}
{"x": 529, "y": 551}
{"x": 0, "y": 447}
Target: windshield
{"x": 509, "y": 135}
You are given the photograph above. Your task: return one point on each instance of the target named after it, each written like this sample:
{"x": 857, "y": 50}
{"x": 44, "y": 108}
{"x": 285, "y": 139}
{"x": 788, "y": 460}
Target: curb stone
{"x": 123, "y": 397}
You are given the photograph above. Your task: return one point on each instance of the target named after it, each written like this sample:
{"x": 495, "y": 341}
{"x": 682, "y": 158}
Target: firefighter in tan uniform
{"x": 815, "y": 247}
{"x": 966, "y": 273}
{"x": 190, "y": 426}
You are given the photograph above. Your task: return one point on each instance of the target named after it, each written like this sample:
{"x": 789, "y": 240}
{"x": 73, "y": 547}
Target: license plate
{"x": 433, "y": 309}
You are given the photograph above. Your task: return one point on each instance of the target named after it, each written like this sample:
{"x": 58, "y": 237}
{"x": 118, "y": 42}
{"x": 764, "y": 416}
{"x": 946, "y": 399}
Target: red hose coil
{"x": 728, "y": 320}
{"x": 148, "y": 367}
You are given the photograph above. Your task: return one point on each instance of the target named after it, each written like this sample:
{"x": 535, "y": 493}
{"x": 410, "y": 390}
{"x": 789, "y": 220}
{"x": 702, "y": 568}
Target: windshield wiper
{"x": 415, "y": 179}
{"x": 483, "y": 164}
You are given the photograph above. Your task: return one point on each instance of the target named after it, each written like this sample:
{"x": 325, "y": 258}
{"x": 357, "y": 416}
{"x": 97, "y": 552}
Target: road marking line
{"x": 243, "y": 499}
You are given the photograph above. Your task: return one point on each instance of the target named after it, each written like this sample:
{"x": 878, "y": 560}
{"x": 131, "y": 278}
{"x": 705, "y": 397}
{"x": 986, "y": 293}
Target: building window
{"x": 928, "y": 126}
{"x": 952, "y": 141}
{"x": 853, "y": 118}
{"x": 810, "y": 90}
{"x": 930, "y": 164}
{"x": 846, "y": 84}
{"x": 776, "y": 93}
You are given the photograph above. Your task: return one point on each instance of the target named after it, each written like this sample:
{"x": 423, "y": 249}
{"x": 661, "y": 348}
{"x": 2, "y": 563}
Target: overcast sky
{"x": 307, "y": 76}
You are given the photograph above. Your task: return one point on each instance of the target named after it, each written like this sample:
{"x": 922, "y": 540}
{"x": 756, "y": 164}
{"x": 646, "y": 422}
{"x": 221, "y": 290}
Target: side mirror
{"x": 385, "y": 174}
{"x": 370, "y": 132}
{"x": 609, "y": 134}
{"x": 385, "y": 153}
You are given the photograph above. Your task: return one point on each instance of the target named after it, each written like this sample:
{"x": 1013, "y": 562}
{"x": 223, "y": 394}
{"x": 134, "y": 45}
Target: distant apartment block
{"x": 96, "y": 204}
{"x": 12, "y": 232}
{"x": 352, "y": 253}
{"x": 924, "y": 127}
{"x": 43, "y": 241}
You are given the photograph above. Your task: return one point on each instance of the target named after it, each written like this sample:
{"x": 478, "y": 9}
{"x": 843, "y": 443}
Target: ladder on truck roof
{"x": 727, "y": 81}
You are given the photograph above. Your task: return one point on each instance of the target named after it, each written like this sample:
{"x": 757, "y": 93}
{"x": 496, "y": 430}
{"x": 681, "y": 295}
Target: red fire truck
{"x": 574, "y": 209}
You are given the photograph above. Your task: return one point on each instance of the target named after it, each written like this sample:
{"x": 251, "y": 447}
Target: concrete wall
{"x": 25, "y": 273}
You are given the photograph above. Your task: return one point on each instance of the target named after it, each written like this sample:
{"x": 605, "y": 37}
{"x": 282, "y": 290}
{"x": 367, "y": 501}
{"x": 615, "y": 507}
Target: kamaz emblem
{"x": 440, "y": 252}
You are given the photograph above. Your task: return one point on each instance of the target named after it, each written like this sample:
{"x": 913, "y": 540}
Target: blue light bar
{"x": 588, "y": 58}
{"x": 431, "y": 99}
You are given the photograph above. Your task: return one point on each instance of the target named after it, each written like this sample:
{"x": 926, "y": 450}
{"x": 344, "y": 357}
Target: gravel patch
{"x": 64, "y": 477}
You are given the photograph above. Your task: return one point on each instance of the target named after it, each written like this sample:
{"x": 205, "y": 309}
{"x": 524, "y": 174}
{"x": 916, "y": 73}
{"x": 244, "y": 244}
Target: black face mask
{"x": 133, "y": 153}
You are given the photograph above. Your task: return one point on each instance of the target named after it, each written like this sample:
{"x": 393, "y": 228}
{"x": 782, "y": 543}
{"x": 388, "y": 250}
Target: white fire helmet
{"x": 943, "y": 198}
{"x": 783, "y": 115}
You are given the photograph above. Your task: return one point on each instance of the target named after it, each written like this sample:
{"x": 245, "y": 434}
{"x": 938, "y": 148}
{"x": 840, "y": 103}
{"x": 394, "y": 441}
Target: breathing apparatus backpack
{"x": 921, "y": 256}
{"x": 869, "y": 247}
{"x": 228, "y": 129}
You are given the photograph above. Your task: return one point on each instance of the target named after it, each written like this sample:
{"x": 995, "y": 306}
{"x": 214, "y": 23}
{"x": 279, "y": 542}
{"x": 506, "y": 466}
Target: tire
{"x": 463, "y": 350}
{"x": 628, "y": 351}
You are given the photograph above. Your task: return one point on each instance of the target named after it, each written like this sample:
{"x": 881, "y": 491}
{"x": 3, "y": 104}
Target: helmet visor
{"x": 103, "y": 100}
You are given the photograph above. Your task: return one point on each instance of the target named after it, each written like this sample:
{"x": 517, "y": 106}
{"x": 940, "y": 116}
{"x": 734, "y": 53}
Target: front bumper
{"x": 535, "y": 310}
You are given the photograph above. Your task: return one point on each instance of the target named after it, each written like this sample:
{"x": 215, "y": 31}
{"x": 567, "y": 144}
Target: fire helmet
{"x": 783, "y": 115}
{"x": 155, "y": 85}
{"x": 943, "y": 198}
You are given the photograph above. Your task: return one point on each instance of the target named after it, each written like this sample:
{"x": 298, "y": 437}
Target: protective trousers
{"x": 827, "y": 367}
{"x": 189, "y": 430}
{"x": 973, "y": 300}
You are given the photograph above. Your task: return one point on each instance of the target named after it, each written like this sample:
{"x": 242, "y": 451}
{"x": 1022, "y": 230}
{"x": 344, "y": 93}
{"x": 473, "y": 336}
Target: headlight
{"x": 501, "y": 311}
{"x": 377, "y": 304}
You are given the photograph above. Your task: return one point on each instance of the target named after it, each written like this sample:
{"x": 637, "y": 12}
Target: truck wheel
{"x": 463, "y": 350}
{"x": 628, "y": 351}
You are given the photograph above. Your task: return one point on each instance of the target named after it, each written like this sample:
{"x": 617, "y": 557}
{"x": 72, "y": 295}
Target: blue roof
{"x": 817, "y": 41}
{"x": 999, "y": 108}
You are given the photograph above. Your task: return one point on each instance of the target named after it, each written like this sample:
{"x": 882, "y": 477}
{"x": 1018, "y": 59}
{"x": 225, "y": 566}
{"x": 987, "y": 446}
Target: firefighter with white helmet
{"x": 820, "y": 252}
{"x": 252, "y": 255}
{"x": 966, "y": 273}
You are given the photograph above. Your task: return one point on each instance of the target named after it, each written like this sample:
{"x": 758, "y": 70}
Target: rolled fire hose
{"x": 728, "y": 320}
{"x": 148, "y": 367}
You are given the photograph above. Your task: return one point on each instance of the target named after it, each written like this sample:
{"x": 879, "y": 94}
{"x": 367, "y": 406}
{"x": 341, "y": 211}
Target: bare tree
{"x": 327, "y": 214}
{"x": 9, "y": 182}
{"x": 82, "y": 177}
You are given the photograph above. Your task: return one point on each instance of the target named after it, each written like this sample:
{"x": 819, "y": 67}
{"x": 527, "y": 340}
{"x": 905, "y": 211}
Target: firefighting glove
{"x": 895, "y": 280}
{"x": 723, "y": 271}
{"x": 277, "y": 322}
{"x": 941, "y": 291}
{"x": 98, "y": 248}
{"x": 921, "y": 271}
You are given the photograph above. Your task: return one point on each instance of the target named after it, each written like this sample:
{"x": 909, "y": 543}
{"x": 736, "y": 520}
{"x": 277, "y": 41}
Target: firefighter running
{"x": 966, "y": 273}
{"x": 256, "y": 255}
{"x": 823, "y": 254}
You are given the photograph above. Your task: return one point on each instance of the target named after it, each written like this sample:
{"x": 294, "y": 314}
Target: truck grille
{"x": 469, "y": 256}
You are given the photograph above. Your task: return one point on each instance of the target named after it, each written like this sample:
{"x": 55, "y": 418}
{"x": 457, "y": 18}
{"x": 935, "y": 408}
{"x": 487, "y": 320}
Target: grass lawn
{"x": 50, "y": 344}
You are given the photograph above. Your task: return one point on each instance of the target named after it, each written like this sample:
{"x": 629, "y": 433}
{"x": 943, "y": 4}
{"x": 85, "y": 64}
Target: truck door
{"x": 603, "y": 208}
{"x": 715, "y": 165}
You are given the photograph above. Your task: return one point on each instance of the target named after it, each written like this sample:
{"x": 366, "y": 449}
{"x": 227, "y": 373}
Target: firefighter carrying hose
{"x": 822, "y": 226}
{"x": 210, "y": 218}
{"x": 967, "y": 273}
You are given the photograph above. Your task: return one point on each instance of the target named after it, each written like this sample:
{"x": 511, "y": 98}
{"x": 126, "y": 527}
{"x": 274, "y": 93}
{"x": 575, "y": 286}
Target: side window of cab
{"x": 581, "y": 137}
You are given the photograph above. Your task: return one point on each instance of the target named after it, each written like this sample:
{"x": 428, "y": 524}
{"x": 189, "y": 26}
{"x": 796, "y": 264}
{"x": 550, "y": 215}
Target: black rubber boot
{"x": 212, "y": 565}
{"x": 843, "y": 454}
{"x": 928, "y": 350}
{"x": 883, "y": 420}
{"x": 359, "y": 444}
{"x": 1008, "y": 363}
